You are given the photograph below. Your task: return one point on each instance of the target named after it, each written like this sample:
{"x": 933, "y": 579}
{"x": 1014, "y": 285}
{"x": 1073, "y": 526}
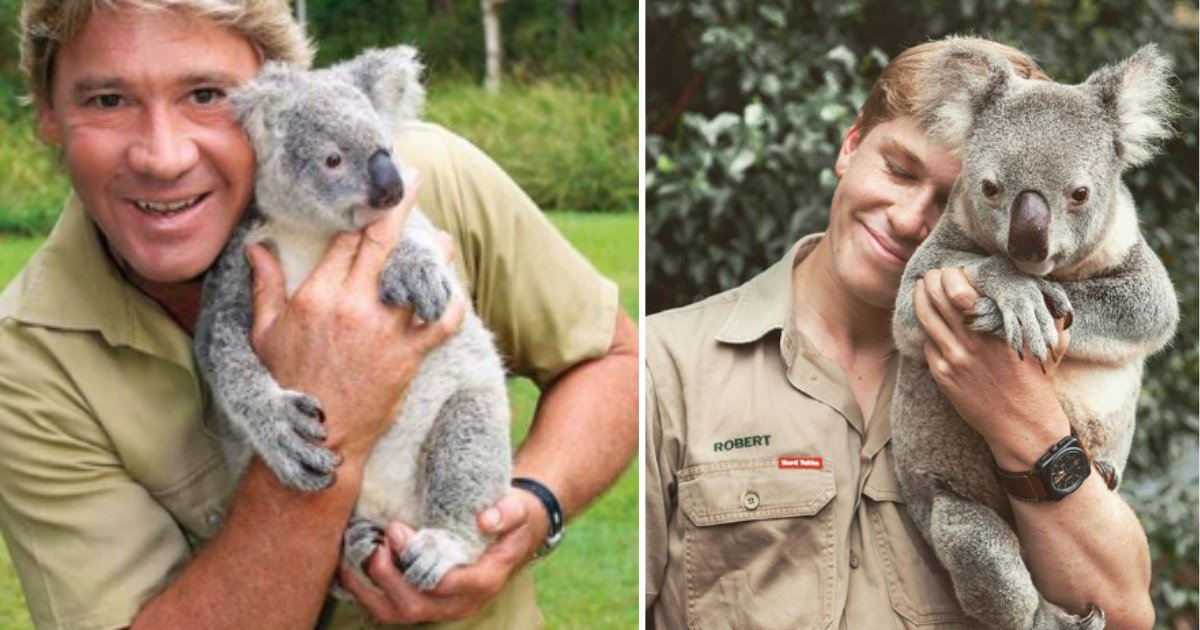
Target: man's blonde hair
{"x": 893, "y": 93}
{"x": 47, "y": 24}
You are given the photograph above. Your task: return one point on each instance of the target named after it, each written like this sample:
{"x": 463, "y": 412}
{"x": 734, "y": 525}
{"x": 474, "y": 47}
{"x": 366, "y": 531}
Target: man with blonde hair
{"x": 771, "y": 497}
{"x": 116, "y": 504}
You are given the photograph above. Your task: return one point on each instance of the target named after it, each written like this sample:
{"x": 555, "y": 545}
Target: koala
{"x": 323, "y": 149}
{"x": 1044, "y": 228}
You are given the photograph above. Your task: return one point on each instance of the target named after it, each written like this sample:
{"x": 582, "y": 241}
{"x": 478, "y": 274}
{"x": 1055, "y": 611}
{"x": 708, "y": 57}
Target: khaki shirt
{"x": 770, "y": 501}
{"x": 110, "y": 474}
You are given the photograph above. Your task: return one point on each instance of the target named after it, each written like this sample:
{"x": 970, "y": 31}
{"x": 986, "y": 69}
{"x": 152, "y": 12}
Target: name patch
{"x": 742, "y": 442}
{"x": 801, "y": 463}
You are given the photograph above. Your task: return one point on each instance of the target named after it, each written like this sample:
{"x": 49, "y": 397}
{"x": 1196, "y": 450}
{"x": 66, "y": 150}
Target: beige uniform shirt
{"x": 110, "y": 477}
{"x": 770, "y": 501}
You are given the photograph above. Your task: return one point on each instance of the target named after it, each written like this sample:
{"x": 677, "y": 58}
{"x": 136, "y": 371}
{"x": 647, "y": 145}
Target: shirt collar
{"x": 765, "y": 303}
{"x": 72, "y": 283}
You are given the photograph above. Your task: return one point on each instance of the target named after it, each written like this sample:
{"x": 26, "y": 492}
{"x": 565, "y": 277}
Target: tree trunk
{"x": 491, "y": 44}
{"x": 439, "y": 8}
{"x": 570, "y": 18}
{"x": 302, "y": 14}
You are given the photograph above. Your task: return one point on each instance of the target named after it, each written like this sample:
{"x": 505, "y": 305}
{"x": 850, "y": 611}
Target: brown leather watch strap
{"x": 1024, "y": 486}
{"x": 1028, "y": 486}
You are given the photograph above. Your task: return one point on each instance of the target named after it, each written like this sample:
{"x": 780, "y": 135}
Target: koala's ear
{"x": 1138, "y": 96}
{"x": 955, "y": 85}
{"x": 391, "y": 78}
{"x": 254, "y": 103}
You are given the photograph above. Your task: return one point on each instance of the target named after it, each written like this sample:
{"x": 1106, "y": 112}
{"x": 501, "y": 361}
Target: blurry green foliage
{"x": 746, "y": 106}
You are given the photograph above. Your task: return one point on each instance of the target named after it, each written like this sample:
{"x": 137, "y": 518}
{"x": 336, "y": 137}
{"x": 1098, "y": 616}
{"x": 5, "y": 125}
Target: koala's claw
{"x": 289, "y": 449}
{"x": 430, "y": 555}
{"x": 419, "y": 282}
{"x": 360, "y": 541}
{"x": 1057, "y": 301}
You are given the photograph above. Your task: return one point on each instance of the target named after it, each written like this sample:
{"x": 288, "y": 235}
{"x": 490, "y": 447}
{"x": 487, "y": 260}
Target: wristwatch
{"x": 1056, "y": 474}
{"x": 557, "y": 529}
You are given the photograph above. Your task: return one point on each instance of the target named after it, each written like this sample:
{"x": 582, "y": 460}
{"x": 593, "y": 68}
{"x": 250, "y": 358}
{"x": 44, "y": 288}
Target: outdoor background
{"x": 564, "y": 125}
{"x": 746, "y": 104}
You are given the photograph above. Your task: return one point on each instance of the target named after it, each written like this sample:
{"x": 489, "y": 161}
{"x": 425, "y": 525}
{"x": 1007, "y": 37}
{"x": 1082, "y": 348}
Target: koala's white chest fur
{"x": 299, "y": 250}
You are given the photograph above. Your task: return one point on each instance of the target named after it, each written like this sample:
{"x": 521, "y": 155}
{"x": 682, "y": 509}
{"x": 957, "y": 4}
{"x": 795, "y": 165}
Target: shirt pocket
{"x": 759, "y": 545}
{"x": 920, "y": 589}
{"x": 198, "y": 501}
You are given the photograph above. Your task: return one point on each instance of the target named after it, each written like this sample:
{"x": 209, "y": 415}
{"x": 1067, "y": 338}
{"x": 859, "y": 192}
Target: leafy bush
{"x": 747, "y": 103}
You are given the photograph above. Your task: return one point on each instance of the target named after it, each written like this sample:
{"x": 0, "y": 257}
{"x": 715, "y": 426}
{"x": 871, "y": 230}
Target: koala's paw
{"x": 1025, "y": 320}
{"x": 431, "y": 553}
{"x": 417, "y": 281}
{"x": 1051, "y": 617}
{"x": 292, "y": 427}
{"x": 1056, "y": 300}
{"x": 359, "y": 543}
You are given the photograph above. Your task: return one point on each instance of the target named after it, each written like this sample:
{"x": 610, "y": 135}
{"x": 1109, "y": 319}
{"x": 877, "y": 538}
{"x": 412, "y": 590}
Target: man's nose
{"x": 914, "y": 217}
{"x": 163, "y": 148}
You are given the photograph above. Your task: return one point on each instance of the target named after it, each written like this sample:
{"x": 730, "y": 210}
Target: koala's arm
{"x": 947, "y": 246}
{"x": 1125, "y": 313}
{"x": 282, "y": 425}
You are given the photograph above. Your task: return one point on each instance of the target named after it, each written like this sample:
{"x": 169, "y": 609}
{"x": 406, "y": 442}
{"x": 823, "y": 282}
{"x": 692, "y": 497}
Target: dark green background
{"x": 746, "y": 104}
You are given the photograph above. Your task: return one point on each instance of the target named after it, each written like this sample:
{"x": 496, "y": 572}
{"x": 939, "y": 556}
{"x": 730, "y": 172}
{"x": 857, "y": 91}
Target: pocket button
{"x": 750, "y": 500}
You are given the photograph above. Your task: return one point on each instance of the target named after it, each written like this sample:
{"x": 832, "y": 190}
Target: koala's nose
{"x": 386, "y": 186}
{"x": 1029, "y": 228}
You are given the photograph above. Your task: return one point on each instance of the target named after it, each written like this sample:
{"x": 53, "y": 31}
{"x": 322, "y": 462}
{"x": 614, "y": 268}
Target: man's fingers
{"x": 374, "y": 600}
{"x": 380, "y": 238}
{"x": 1059, "y": 350}
{"x": 270, "y": 288}
{"x": 335, "y": 263}
{"x": 428, "y": 335}
{"x": 939, "y": 297}
{"x": 931, "y": 319}
{"x": 504, "y": 516}
{"x": 959, "y": 290}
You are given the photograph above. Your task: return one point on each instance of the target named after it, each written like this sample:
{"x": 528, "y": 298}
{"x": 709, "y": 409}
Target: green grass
{"x": 591, "y": 580}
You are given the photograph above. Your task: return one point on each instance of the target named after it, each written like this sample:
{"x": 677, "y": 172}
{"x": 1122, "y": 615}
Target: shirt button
{"x": 750, "y": 500}
{"x": 853, "y": 560}
{"x": 213, "y": 518}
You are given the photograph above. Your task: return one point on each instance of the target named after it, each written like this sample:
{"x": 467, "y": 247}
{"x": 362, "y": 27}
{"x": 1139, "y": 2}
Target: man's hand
{"x": 991, "y": 387}
{"x": 335, "y": 339}
{"x": 519, "y": 523}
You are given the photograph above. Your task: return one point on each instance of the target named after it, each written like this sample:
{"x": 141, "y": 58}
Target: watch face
{"x": 1067, "y": 471}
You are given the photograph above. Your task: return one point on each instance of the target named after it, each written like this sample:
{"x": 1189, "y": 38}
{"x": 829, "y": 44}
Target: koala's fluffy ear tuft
{"x": 391, "y": 78}
{"x": 956, "y": 84}
{"x": 256, "y": 103}
{"x": 1138, "y": 95}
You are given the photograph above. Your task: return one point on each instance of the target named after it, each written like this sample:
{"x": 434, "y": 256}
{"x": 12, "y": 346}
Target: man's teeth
{"x": 169, "y": 206}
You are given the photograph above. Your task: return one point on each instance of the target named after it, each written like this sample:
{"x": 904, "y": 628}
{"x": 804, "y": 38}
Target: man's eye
{"x": 207, "y": 96}
{"x": 107, "y": 101}
{"x": 898, "y": 172}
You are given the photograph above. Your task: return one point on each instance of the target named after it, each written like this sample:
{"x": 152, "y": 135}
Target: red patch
{"x": 801, "y": 463}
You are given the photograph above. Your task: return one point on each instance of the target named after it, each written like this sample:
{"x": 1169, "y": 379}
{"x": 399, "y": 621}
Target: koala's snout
{"x": 1029, "y": 228}
{"x": 386, "y": 186}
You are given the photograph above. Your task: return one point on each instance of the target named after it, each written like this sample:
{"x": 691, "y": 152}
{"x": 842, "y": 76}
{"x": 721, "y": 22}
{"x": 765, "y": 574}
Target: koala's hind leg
{"x": 983, "y": 556}
{"x": 468, "y": 466}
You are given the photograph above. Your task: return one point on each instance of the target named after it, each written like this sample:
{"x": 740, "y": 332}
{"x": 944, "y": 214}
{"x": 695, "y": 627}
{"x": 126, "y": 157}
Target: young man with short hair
{"x": 115, "y": 501}
{"x": 806, "y": 526}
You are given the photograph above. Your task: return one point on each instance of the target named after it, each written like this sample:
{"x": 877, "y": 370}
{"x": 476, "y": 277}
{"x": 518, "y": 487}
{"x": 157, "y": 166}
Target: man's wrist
{"x": 1022, "y": 443}
{"x": 553, "y": 524}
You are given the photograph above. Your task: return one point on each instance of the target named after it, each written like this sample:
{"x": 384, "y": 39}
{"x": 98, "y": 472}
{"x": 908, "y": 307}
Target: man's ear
{"x": 391, "y": 79}
{"x": 48, "y": 127}
{"x": 850, "y": 143}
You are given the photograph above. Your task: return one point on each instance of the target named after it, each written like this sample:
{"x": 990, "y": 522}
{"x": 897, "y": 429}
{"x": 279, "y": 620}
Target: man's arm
{"x": 582, "y": 438}
{"x": 1088, "y": 548}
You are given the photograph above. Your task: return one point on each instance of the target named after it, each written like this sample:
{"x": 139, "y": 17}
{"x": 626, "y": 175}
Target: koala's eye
{"x": 990, "y": 189}
{"x": 1079, "y": 195}
{"x": 333, "y": 160}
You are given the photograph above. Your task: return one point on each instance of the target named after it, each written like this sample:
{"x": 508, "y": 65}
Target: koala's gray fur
{"x": 447, "y": 456}
{"x": 1032, "y": 262}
